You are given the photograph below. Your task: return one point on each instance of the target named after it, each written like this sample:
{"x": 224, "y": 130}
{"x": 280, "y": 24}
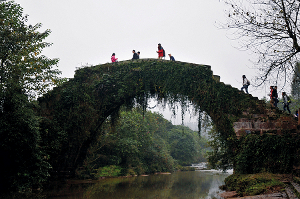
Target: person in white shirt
{"x": 246, "y": 83}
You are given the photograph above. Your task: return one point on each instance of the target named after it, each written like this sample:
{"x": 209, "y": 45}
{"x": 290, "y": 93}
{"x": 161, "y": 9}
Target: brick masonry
{"x": 265, "y": 123}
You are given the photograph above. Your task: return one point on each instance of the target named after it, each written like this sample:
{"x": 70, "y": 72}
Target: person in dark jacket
{"x": 286, "y": 102}
{"x": 171, "y": 57}
{"x": 135, "y": 56}
{"x": 274, "y": 96}
{"x": 138, "y": 54}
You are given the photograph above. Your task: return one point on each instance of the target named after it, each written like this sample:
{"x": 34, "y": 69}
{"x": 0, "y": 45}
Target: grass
{"x": 254, "y": 184}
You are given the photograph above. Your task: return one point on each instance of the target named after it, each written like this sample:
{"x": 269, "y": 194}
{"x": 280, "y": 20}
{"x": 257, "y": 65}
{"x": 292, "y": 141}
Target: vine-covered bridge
{"x": 80, "y": 106}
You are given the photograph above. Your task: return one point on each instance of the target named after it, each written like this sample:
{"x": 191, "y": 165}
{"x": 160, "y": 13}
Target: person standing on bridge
{"x": 246, "y": 83}
{"x": 160, "y": 51}
{"x": 171, "y": 57}
{"x": 113, "y": 58}
{"x": 135, "y": 56}
{"x": 138, "y": 54}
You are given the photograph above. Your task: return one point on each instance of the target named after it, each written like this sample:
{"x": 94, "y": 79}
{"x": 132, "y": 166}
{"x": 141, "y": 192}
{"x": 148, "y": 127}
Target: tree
{"x": 23, "y": 162}
{"x": 21, "y": 46}
{"x": 24, "y": 73}
{"x": 269, "y": 28}
{"x": 296, "y": 82}
{"x": 135, "y": 143}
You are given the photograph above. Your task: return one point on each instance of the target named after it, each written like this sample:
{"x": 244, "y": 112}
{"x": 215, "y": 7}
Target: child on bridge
{"x": 171, "y": 57}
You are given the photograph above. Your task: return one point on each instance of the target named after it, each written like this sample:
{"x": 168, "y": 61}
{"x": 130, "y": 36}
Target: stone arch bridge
{"x": 80, "y": 106}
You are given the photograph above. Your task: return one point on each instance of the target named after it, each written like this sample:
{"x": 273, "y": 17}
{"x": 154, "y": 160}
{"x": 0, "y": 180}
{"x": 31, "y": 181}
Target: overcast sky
{"x": 88, "y": 32}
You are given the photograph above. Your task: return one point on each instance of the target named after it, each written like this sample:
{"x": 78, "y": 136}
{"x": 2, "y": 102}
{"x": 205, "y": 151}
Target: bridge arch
{"x": 80, "y": 106}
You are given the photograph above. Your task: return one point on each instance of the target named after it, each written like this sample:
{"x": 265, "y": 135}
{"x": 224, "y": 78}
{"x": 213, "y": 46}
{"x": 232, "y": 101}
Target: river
{"x": 178, "y": 185}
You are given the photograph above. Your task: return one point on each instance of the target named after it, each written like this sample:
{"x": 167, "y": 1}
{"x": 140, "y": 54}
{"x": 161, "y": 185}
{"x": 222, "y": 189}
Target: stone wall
{"x": 271, "y": 122}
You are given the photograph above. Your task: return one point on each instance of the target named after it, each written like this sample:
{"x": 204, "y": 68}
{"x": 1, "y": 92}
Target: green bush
{"x": 108, "y": 171}
{"x": 270, "y": 153}
{"x": 252, "y": 184}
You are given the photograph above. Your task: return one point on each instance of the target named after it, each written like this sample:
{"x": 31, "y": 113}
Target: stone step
{"x": 280, "y": 195}
{"x": 296, "y": 187}
{"x": 290, "y": 192}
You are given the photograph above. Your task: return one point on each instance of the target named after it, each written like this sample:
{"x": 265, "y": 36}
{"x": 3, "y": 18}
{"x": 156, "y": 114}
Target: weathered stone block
{"x": 264, "y": 125}
{"x": 270, "y": 123}
{"x": 242, "y": 125}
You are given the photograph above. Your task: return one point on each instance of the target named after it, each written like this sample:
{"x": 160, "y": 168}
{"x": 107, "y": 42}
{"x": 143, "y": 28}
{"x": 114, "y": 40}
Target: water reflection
{"x": 179, "y": 185}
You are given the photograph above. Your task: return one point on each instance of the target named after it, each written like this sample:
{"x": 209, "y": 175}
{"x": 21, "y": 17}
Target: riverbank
{"x": 262, "y": 185}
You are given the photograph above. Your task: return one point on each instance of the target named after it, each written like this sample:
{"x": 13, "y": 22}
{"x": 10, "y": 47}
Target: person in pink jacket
{"x": 113, "y": 58}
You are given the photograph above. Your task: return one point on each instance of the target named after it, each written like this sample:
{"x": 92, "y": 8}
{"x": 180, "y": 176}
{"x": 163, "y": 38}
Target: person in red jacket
{"x": 160, "y": 51}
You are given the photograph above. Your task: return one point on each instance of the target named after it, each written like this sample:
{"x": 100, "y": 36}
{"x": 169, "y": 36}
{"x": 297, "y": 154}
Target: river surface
{"x": 178, "y": 185}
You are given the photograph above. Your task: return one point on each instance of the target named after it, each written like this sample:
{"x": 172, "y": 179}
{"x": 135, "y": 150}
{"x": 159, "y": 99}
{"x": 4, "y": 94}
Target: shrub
{"x": 108, "y": 171}
{"x": 253, "y": 184}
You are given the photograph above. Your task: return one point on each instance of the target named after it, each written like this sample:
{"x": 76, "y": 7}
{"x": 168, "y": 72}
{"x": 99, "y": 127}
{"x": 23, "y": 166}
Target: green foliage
{"x": 23, "y": 162}
{"x": 24, "y": 73}
{"x": 221, "y": 154}
{"x": 183, "y": 168}
{"x": 186, "y": 145}
{"x": 253, "y": 184}
{"x": 108, "y": 171}
{"x": 21, "y": 46}
{"x": 142, "y": 142}
{"x": 132, "y": 143}
{"x": 271, "y": 153}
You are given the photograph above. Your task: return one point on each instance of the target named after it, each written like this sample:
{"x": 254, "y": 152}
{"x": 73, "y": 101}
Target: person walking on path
{"x": 113, "y": 58}
{"x": 286, "y": 102}
{"x": 160, "y": 51}
{"x": 246, "y": 83}
{"x": 135, "y": 56}
{"x": 171, "y": 57}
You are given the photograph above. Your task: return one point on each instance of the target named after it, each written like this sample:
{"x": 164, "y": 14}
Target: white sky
{"x": 88, "y": 32}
